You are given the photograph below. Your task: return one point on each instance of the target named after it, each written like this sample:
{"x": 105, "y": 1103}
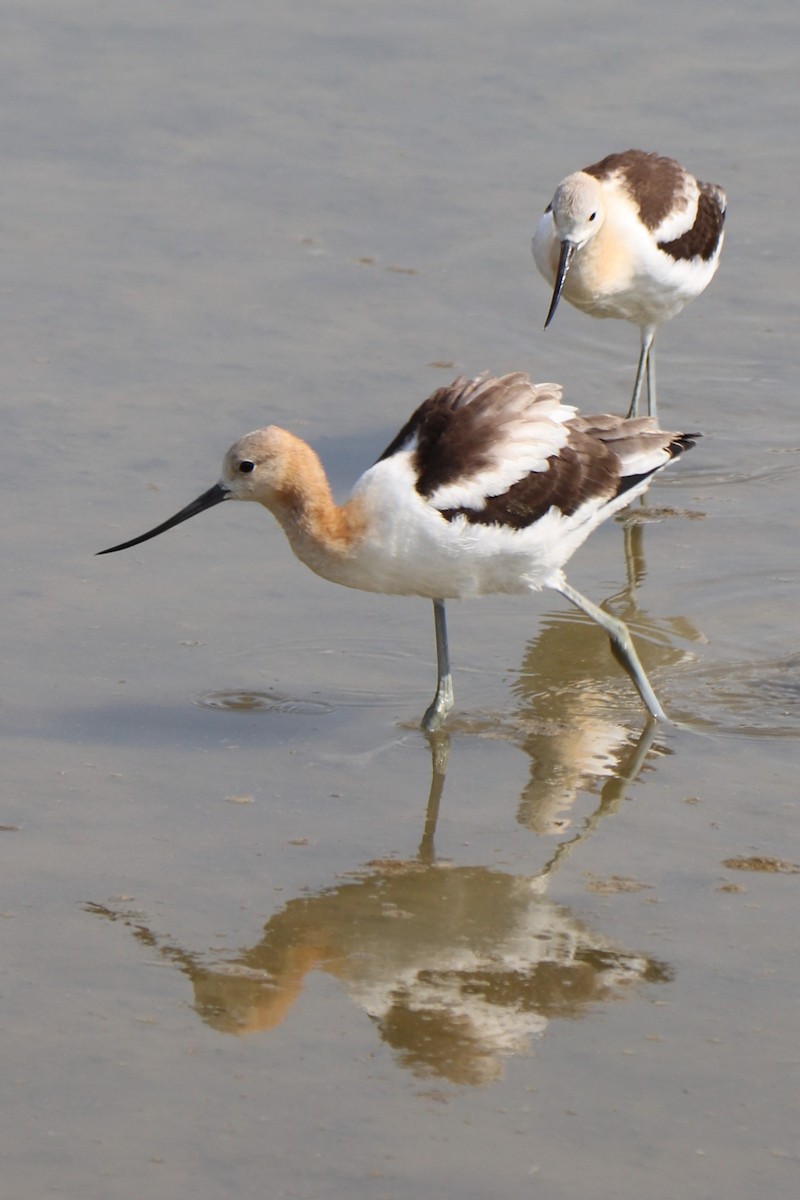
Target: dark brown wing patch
{"x": 652, "y": 181}
{"x": 456, "y": 430}
{"x": 442, "y": 398}
{"x": 584, "y": 469}
{"x": 587, "y": 468}
{"x": 702, "y": 240}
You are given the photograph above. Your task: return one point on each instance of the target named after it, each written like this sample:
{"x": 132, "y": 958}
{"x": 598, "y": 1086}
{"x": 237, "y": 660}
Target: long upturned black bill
{"x": 564, "y": 259}
{"x": 214, "y": 495}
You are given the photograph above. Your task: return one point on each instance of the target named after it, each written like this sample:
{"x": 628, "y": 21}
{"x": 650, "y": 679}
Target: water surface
{"x": 260, "y": 936}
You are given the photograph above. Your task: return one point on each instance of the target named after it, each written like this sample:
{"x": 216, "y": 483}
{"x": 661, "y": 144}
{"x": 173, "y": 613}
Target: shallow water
{"x": 261, "y": 936}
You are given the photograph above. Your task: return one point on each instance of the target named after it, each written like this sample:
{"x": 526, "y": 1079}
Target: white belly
{"x": 411, "y": 549}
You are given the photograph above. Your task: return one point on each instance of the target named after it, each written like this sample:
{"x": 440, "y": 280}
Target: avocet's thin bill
{"x": 564, "y": 259}
{"x": 214, "y": 495}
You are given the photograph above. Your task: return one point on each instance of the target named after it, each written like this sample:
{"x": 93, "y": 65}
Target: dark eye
{"x": 246, "y": 466}
{"x": 592, "y": 217}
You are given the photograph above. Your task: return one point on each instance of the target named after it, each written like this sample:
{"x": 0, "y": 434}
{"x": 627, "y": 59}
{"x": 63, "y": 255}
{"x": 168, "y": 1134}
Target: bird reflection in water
{"x": 459, "y": 967}
{"x": 575, "y": 737}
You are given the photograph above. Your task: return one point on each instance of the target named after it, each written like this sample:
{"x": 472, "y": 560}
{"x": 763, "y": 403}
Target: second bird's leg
{"x": 651, "y": 379}
{"x": 645, "y": 369}
{"x": 443, "y": 700}
{"x": 622, "y": 644}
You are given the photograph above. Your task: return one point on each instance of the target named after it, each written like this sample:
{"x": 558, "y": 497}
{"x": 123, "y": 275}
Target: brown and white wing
{"x": 639, "y": 445}
{"x": 476, "y": 439}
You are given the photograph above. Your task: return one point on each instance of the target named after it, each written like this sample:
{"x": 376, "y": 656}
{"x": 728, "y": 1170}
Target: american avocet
{"x": 634, "y": 236}
{"x": 490, "y": 486}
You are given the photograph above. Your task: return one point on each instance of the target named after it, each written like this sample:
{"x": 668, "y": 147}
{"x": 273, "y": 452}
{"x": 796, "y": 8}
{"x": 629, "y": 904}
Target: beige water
{"x": 238, "y": 959}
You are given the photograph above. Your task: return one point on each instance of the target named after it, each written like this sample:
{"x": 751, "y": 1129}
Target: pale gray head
{"x": 578, "y": 215}
{"x": 578, "y": 209}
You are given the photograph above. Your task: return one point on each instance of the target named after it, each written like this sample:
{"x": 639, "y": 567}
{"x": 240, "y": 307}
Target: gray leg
{"x": 622, "y": 644}
{"x": 651, "y": 376}
{"x": 645, "y": 368}
{"x": 443, "y": 700}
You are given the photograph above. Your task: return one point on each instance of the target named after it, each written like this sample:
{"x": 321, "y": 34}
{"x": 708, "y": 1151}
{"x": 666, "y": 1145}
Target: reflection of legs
{"x": 443, "y": 700}
{"x": 611, "y": 796}
{"x": 633, "y": 545}
{"x": 646, "y": 366}
{"x": 622, "y": 645}
{"x": 440, "y": 752}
